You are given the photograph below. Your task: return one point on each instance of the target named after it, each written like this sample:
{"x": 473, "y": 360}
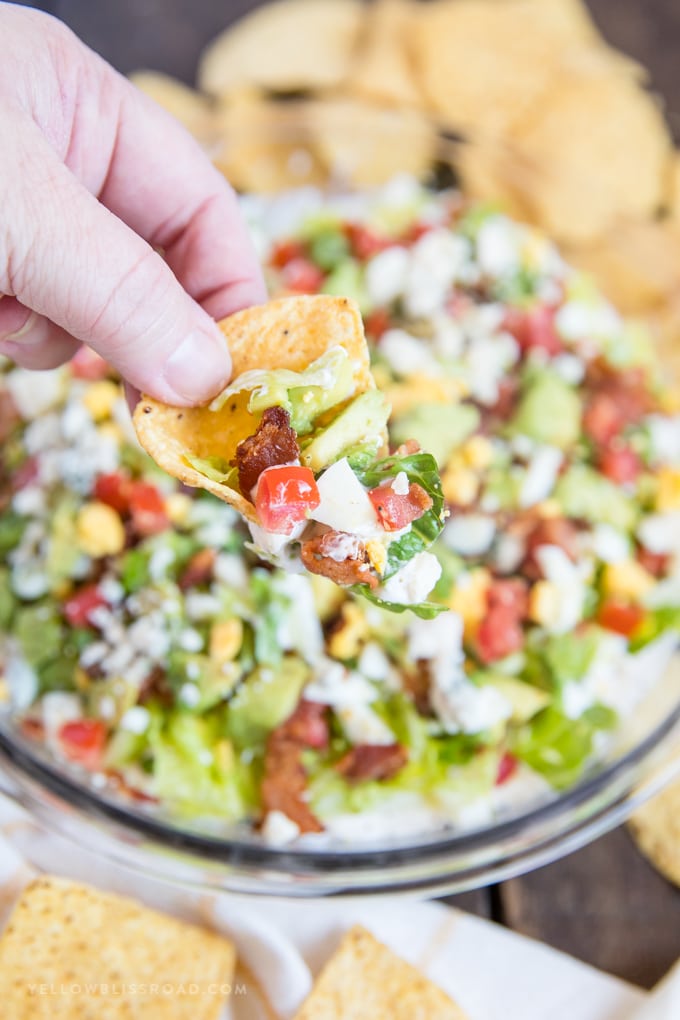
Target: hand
{"x": 93, "y": 178}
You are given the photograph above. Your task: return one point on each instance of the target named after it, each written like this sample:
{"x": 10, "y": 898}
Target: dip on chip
{"x": 296, "y": 444}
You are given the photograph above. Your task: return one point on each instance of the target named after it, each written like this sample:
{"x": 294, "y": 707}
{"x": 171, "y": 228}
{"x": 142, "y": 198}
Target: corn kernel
{"x": 100, "y": 530}
{"x": 668, "y": 489}
{"x": 468, "y": 598}
{"x": 627, "y": 579}
{"x": 99, "y": 398}
{"x": 178, "y": 507}
{"x": 544, "y": 603}
{"x": 5, "y": 694}
{"x": 224, "y": 755}
{"x": 460, "y": 485}
{"x": 377, "y": 555}
{"x": 477, "y": 452}
{"x": 81, "y": 679}
{"x": 669, "y": 400}
{"x": 226, "y": 638}
{"x": 113, "y": 431}
{"x": 423, "y": 389}
{"x": 345, "y": 642}
{"x": 548, "y": 508}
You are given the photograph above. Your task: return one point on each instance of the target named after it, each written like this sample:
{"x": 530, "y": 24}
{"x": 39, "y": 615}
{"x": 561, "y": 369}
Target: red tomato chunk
{"x": 534, "y": 329}
{"x": 114, "y": 490}
{"x": 83, "y": 741}
{"x": 302, "y": 276}
{"x": 620, "y": 464}
{"x": 621, "y": 617}
{"x": 79, "y": 607}
{"x": 499, "y": 634}
{"x": 285, "y": 495}
{"x": 507, "y": 767}
{"x": 395, "y": 510}
{"x": 147, "y": 509}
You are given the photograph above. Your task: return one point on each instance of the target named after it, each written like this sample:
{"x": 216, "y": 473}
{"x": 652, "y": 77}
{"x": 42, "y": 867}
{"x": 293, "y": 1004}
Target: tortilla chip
{"x": 598, "y": 150}
{"x": 366, "y": 145}
{"x": 485, "y": 62}
{"x": 63, "y": 937}
{"x": 490, "y": 171}
{"x": 674, "y": 197}
{"x": 636, "y": 264}
{"x": 365, "y": 979}
{"x": 190, "y": 108}
{"x": 288, "y": 333}
{"x": 656, "y": 830}
{"x": 264, "y": 145}
{"x": 383, "y": 68}
{"x": 284, "y": 46}
{"x": 665, "y": 326}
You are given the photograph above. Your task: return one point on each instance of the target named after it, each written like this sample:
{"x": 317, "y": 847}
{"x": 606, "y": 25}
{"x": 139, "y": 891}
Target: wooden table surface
{"x": 603, "y": 904}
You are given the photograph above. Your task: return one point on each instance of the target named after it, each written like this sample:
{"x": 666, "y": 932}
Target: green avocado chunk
{"x": 549, "y": 411}
{"x": 439, "y": 428}
{"x": 265, "y": 700}
{"x": 583, "y": 492}
{"x": 362, "y": 422}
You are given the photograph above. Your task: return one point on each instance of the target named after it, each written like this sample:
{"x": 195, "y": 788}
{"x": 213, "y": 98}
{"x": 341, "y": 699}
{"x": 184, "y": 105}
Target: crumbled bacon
{"x": 273, "y": 442}
{"x": 284, "y": 784}
{"x": 407, "y": 449}
{"x": 320, "y": 556}
{"x": 199, "y": 569}
{"x": 372, "y": 761}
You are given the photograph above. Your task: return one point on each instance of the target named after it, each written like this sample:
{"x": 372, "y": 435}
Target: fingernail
{"x": 18, "y": 334}
{"x": 199, "y": 368}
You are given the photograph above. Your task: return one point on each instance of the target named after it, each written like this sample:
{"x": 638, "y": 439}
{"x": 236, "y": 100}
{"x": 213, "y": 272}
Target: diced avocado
{"x": 549, "y": 411}
{"x": 62, "y": 549}
{"x": 347, "y": 280}
{"x": 363, "y": 420}
{"x": 7, "y": 600}
{"x": 526, "y": 700}
{"x": 264, "y": 700}
{"x": 214, "y": 680}
{"x": 329, "y": 248}
{"x": 134, "y": 570}
{"x": 124, "y": 748}
{"x": 328, "y": 596}
{"x": 39, "y": 633}
{"x": 583, "y": 492}
{"x": 439, "y": 428}
{"x": 305, "y": 395}
{"x": 11, "y": 529}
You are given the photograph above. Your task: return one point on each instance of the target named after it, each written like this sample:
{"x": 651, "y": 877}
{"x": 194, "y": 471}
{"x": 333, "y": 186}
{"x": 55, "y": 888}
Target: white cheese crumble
{"x": 344, "y": 504}
{"x": 278, "y": 829}
{"x": 136, "y": 720}
{"x": 401, "y": 484}
{"x": 569, "y": 587}
{"x": 664, "y": 434}
{"x": 660, "y": 533}
{"x": 414, "y": 582}
{"x": 541, "y": 475}
{"x": 386, "y": 275}
{"x": 469, "y": 534}
{"x": 351, "y": 695}
{"x": 407, "y": 354}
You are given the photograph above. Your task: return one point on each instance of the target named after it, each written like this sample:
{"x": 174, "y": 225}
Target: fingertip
{"x": 198, "y": 368}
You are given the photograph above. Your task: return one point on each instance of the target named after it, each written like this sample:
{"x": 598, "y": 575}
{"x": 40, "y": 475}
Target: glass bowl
{"x": 283, "y": 149}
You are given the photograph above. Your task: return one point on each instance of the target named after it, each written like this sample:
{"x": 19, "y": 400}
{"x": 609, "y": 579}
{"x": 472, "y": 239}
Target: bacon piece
{"x": 274, "y": 442}
{"x": 372, "y": 761}
{"x": 656, "y": 563}
{"x": 285, "y": 781}
{"x": 320, "y": 556}
{"x": 408, "y": 448}
{"x": 199, "y": 569}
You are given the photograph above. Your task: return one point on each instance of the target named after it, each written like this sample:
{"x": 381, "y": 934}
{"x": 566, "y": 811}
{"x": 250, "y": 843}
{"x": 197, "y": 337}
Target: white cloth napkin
{"x": 493, "y": 973}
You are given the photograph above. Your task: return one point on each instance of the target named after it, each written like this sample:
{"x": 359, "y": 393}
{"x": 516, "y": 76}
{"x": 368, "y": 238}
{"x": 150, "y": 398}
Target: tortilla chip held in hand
{"x": 297, "y": 445}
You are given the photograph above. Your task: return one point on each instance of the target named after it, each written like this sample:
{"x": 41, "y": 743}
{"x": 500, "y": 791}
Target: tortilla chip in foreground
{"x": 71, "y": 952}
{"x": 656, "y": 830}
{"x": 365, "y": 979}
{"x": 288, "y": 333}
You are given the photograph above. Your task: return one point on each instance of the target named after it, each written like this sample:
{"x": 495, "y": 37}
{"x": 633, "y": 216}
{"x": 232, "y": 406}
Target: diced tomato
{"x": 499, "y": 634}
{"x": 115, "y": 490}
{"x": 507, "y": 767}
{"x": 511, "y": 594}
{"x": 302, "y": 276}
{"x": 87, "y": 364}
{"x": 621, "y": 617}
{"x": 377, "y": 323}
{"x": 415, "y": 232}
{"x": 147, "y": 509}
{"x": 365, "y": 242}
{"x": 655, "y": 563}
{"x": 620, "y": 464}
{"x": 534, "y": 328}
{"x": 78, "y": 608}
{"x": 284, "y": 252}
{"x": 83, "y": 741}
{"x": 24, "y": 475}
{"x": 396, "y": 510}
{"x": 284, "y": 496}
{"x": 603, "y": 419}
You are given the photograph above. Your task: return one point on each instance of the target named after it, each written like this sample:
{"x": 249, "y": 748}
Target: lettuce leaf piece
{"x": 214, "y": 468}
{"x": 656, "y": 622}
{"x": 558, "y": 747}
{"x": 425, "y": 610}
{"x": 569, "y": 656}
{"x": 263, "y": 701}
{"x": 195, "y": 769}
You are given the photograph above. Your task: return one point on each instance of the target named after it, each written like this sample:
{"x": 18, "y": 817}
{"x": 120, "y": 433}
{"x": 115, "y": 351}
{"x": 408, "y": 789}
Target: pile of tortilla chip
{"x": 546, "y": 119}
{"x": 73, "y": 952}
